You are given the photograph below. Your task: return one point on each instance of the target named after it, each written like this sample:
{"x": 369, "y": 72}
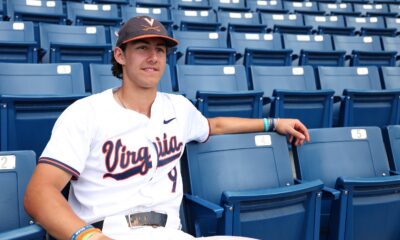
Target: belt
{"x": 152, "y": 218}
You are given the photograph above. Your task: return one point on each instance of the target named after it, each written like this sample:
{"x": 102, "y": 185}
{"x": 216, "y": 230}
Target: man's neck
{"x": 139, "y": 100}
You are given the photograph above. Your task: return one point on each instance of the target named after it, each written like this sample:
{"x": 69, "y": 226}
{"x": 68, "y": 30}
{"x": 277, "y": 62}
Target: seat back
{"x": 223, "y": 4}
{"x": 359, "y": 43}
{"x": 193, "y": 78}
{"x": 324, "y": 21}
{"x": 298, "y": 6}
{"x": 364, "y": 22}
{"x": 250, "y": 177}
{"x": 102, "y": 79}
{"x": 267, "y": 79}
{"x": 267, "y": 6}
{"x": 332, "y": 7}
{"x": 307, "y": 42}
{"x": 268, "y": 41}
{"x": 161, "y": 14}
{"x": 366, "y": 9}
{"x": 391, "y": 44}
{"x": 197, "y": 20}
{"x": 392, "y": 22}
{"x": 16, "y": 170}
{"x": 80, "y": 13}
{"x": 37, "y": 11}
{"x": 392, "y": 142}
{"x": 184, "y": 4}
{"x": 240, "y": 21}
{"x": 17, "y": 42}
{"x": 41, "y": 79}
{"x": 340, "y": 78}
{"x": 391, "y": 77}
{"x": 271, "y": 19}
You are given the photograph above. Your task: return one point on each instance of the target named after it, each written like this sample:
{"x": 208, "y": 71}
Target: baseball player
{"x": 120, "y": 149}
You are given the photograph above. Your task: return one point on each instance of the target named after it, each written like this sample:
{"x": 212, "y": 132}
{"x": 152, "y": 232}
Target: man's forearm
{"x": 224, "y": 125}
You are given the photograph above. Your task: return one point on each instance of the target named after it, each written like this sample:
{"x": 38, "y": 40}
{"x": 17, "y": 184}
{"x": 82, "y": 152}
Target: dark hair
{"x": 116, "y": 67}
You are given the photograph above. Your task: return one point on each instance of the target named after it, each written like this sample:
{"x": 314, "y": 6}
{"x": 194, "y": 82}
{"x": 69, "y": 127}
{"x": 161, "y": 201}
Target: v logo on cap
{"x": 149, "y": 21}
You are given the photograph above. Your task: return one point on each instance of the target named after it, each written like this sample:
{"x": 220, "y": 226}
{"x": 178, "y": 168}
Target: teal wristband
{"x": 266, "y": 125}
{"x": 79, "y": 231}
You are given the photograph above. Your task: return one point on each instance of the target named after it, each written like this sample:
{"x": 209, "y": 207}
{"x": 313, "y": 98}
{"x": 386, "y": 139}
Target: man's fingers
{"x": 300, "y": 127}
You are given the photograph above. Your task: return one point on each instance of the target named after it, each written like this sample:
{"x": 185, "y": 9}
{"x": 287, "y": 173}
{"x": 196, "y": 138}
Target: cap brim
{"x": 170, "y": 42}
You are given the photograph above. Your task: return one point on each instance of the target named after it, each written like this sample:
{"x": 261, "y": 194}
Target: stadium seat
{"x": 37, "y": 11}
{"x": 102, "y": 79}
{"x": 204, "y": 48}
{"x": 368, "y": 9}
{"x": 161, "y": 14}
{"x": 17, "y": 43}
{"x": 364, "y": 51}
{"x": 293, "y": 93}
{"x": 367, "y": 26}
{"x": 328, "y": 25}
{"x": 390, "y": 77}
{"x": 360, "y": 198}
{"x": 392, "y": 142}
{"x": 195, "y": 20}
{"x": 84, "y": 44}
{"x": 119, "y": 2}
{"x": 229, "y": 5}
{"x": 16, "y": 170}
{"x": 271, "y": 6}
{"x": 337, "y": 8}
{"x": 285, "y": 23}
{"x": 394, "y": 23}
{"x": 305, "y": 7}
{"x": 219, "y": 90}
{"x": 192, "y": 4}
{"x": 242, "y": 185}
{"x": 363, "y": 102}
{"x": 313, "y": 50}
{"x": 393, "y": 7}
{"x": 241, "y": 22}
{"x": 93, "y": 14}
{"x": 151, "y": 3}
{"x": 32, "y": 96}
{"x": 260, "y": 49}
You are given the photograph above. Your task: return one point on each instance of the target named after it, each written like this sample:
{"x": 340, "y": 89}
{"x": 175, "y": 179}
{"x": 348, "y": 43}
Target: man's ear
{"x": 119, "y": 55}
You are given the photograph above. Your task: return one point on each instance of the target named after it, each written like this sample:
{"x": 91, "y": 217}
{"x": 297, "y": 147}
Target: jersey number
{"x": 172, "y": 176}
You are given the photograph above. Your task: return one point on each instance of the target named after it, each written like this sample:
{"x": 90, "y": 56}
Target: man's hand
{"x": 294, "y": 128}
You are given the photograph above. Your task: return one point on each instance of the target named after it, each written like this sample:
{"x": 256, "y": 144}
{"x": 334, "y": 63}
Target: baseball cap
{"x": 141, "y": 27}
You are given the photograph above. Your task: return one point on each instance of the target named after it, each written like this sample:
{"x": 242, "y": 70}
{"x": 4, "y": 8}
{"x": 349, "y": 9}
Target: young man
{"x": 121, "y": 148}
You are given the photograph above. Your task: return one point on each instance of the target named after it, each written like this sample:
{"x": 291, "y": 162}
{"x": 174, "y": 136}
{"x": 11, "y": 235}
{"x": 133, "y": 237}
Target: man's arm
{"x": 45, "y": 203}
{"x": 292, "y": 127}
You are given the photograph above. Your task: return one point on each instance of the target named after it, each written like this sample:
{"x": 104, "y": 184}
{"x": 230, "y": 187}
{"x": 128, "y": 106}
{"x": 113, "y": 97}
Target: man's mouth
{"x": 150, "y": 69}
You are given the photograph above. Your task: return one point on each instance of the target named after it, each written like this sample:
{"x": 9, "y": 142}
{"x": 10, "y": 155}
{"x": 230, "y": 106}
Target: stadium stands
{"x": 285, "y": 23}
{"x": 15, "y": 172}
{"x": 360, "y": 198}
{"x": 256, "y": 196}
{"x": 93, "y": 14}
{"x": 37, "y": 11}
{"x": 195, "y": 20}
{"x": 241, "y": 22}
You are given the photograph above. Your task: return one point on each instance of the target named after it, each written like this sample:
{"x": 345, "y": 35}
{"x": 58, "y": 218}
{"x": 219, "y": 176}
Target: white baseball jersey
{"x": 121, "y": 160}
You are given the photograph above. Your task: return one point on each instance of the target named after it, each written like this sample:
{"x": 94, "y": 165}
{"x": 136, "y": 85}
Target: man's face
{"x": 143, "y": 62}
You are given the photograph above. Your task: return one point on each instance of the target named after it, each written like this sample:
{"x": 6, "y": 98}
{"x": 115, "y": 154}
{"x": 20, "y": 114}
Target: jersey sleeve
{"x": 195, "y": 125}
{"x": 69, "y": 144}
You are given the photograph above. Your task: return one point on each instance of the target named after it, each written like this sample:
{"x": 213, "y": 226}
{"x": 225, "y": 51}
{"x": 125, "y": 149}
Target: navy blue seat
{"x": 15, "y": 173}
{"x": 376, "y": 9}
{"x": 119, "y": 2}
{"x": 367, "y": 26}
{"x": 393, "y": 7}
{"x": 393, "y": 23}
{"x": 313, "y": 50}
{"x": 285, "y": 23}
{"x": 195, "y": 20}
{"x": 392, "y": 142}
{"x": 161, "y": 14}
{"x": 151, "y": 3}
{"x": 337, "y": 8}
{"x": 219, "y": 90}
{"x": 17, "y": 43}
{"x": 102, "y": 79}
{"x": 204, "y": 48}
{"x": 93, "y": 14}
{"x": 189, "y": 4}
{"x": 84, "y": 44}
{"x": 37, "y": 11}
{"x": 363, "y": 102}
{"x": 242, "y": 185}
{"x": 229, "y": 5}
{"x": 32, "y": 96}
{"x": 360, "y": 198}
{"x": 293, "y": 93}
{"x": 328, "y": 24}
{"x": 266, "y": 6}
{"x": 302, "y": 7}
{"x": 247, "y": 22}
{"x": 260, "y": 49}
{"x": 364, "y": 51}
{"x": 390, "y": 77}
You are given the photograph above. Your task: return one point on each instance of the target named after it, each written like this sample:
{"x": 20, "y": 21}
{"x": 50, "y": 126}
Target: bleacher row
{"x": 332, "y": 64}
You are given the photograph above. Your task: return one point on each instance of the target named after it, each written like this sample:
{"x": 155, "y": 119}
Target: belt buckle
{"x": 141, "y": 219}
